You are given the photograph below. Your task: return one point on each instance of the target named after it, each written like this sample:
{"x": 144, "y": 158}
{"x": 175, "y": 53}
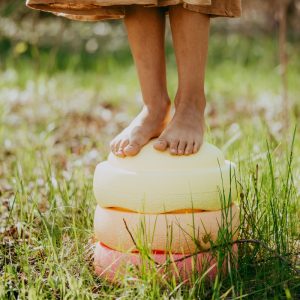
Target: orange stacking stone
{"x": 178, "y": 232}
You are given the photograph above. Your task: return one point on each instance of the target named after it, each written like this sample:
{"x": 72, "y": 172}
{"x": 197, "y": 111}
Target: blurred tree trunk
{"x": 283, "y": 59}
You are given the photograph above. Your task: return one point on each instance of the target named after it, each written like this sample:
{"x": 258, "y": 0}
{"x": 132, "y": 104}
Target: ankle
{"x": 193, "y": 101}
{"x": 161, "y": 104}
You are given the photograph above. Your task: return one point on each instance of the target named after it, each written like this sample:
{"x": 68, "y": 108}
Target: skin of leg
{"x": 190, "y": 33}
{"x": 145, "y": 27}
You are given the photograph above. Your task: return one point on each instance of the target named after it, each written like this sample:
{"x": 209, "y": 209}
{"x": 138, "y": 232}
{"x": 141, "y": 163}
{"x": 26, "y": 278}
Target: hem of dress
{"x": 119, "y": 11}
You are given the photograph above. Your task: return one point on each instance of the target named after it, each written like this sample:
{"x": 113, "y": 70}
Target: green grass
{"x": 55, "y": 125}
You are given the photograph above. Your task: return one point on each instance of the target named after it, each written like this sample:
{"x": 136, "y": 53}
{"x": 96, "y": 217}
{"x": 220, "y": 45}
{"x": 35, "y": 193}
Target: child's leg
{"x": 190, "y": 30}
{"x": 146, "y": 29}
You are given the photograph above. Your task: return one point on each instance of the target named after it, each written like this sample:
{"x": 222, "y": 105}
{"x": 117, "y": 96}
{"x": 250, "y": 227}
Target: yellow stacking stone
{"x": 156, "y": 182}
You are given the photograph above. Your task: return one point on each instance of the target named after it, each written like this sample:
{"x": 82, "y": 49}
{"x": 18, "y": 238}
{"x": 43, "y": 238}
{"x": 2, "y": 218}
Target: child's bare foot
{"x": 149, "y": 123}
{"x": 184, "y": 134}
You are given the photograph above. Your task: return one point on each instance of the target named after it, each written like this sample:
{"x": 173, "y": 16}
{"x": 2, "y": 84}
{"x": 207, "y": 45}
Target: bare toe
{"x": 115, "y": 147}
{"x": 124, "y": 143}
{"x": 120, "y": 153}
{"x": 161, "y": 144}
{"x": 122, "y": 146}
{"x": 181, "y": 147}
{"x": 196, "y": 148}
{"x": 174, "y": 147}
{"x": 189, "y": 148}
{"x": 132, "y": 149}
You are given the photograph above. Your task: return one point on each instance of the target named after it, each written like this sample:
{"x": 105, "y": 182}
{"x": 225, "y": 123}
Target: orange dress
{"x": 94, "y": 10}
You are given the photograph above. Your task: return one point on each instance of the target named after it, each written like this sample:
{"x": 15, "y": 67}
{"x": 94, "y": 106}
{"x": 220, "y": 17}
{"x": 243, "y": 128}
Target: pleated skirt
{"x": 95, "y": 10}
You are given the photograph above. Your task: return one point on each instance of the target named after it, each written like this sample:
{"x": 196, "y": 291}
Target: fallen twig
{"x": 136, "y": 246}
{"x": 240, "y": 241}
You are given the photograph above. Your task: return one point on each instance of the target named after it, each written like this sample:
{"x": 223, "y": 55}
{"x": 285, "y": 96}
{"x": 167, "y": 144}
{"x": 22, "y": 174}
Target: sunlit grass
{"x": 55, "y": 126}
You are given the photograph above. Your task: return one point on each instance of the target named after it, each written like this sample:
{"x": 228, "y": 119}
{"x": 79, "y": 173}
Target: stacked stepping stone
{"x": 172, "y": 206}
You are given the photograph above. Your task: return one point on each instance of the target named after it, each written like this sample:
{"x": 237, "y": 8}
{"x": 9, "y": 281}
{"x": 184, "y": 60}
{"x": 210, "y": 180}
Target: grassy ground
{"x": 56, "y": 121}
